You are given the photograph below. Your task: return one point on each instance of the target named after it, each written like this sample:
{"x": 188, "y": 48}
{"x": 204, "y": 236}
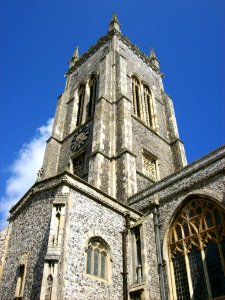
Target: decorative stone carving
{"x": 149, "y": 165}
{"x": 40, "y": 173}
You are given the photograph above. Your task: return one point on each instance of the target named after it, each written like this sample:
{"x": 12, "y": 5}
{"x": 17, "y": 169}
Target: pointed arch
{"x": 98, "y": 258}
{"x": 148, "y": 105}
{"x": 136, "y": 91}
{"x": 80, "y": 104}
{"x": 92, "y": 94}
{"x": 196, "y": 250}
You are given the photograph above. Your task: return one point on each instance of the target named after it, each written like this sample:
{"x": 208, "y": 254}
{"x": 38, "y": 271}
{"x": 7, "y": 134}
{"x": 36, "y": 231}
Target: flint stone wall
{"x": 85, "y": 219}
{"x": 30, "y": 230}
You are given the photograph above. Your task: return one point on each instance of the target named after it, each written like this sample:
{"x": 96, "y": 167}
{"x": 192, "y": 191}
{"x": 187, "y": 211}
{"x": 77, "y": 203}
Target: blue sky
{"x": 39, "y": 37}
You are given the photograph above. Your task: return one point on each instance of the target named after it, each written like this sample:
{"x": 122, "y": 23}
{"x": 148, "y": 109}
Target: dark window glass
{"x": 215, "y": 270}
{"x": 197, "y": 275}
{"x": 181, "y": 277}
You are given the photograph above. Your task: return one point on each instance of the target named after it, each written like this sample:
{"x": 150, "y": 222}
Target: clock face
{"x": 80, "y": 138}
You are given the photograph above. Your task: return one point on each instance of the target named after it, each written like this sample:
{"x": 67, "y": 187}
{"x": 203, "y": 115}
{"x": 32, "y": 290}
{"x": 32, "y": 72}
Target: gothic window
{"x": 136, "y": 97}
{"x": 196, "y": 251}
{"x": 78, "y": 164}
{"x": 92, "y": 95}
{"x": 137, "y": 254}
{"x": 80, "y": 104}
{"x": 149, "y": 166}
{"x": 21, "y": 276}
{"x": 148, "y": 106}
{"x": 97, "y": 258}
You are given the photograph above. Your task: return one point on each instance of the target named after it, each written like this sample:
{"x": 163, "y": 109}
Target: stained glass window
{"x": 97, "y": 257}
{"x": 197, "y": 247}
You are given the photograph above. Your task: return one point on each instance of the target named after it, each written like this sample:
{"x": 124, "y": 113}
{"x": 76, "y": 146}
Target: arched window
{"x": 97, "y": 258}
{"x": 148, "y": 106}
{"x": 92, "y": 97}
{"x": 80, "y": 104}
{"x": 136, "y": 97}
{"x": 197, "y": 251}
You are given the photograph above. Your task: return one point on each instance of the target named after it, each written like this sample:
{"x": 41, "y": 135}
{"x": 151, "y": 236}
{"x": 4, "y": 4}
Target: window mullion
{"x": 206, "y": 273}
{"x": 188, "y": 271}
{"x": 221, "y": 256}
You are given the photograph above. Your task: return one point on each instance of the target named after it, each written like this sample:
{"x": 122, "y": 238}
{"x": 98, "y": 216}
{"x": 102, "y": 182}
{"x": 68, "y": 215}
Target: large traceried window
{"x": 97, "y": 258}
{"x": 197, "y": 251}
{"x": 80, "y": 105}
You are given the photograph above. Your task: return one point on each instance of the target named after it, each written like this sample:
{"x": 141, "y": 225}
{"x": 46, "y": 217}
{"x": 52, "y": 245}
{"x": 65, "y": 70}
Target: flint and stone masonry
{"x": 98, "y": 222}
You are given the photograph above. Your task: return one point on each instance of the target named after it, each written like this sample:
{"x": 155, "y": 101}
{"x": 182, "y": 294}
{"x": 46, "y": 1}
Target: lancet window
{"x": 136, "y": 97}
{"x": 21, "y": 276}
{"x": 97, "y": 258}
{"x": 197, "y": 251}
{"x": 92, "y": 95}
{"x": 80, "y": 105}
{"x": 148, "y": 106}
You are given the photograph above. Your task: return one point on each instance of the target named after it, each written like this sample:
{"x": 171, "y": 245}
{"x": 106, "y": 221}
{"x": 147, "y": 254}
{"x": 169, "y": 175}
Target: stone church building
{"x": 116, "y": 213}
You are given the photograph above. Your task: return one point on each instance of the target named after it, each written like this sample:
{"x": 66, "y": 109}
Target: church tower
{"x": 115, "y": 213}
{"x": 114, "y": 126}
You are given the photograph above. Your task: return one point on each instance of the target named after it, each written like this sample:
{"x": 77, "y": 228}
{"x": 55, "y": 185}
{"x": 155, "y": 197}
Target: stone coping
{"x": 76, "y": 183}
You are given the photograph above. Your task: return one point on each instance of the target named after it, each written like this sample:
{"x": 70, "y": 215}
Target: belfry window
{"x": 148, "y": 106}
{"x": 143, "y": 103}
{"x": 80, "y": 105}
{"x": 197, "y": 251}
{"x": 136, "y": 97}
{"x": 97, "y": 258}
{"x": 79, "y": 164}
{"x": 92, "y": 95}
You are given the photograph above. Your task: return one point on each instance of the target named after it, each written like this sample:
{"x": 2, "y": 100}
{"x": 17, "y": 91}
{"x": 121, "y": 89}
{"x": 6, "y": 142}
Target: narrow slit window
{"x": 80, "y": 104}
{"x": 92, "y": 97}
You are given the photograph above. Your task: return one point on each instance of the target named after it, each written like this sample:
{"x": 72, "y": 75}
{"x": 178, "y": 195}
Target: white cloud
{"x": 23, "y": 171}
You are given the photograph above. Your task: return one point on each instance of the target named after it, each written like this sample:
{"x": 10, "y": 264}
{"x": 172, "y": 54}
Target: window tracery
{"x": 97, "y": 258}
{"x": 196, "y": 246}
